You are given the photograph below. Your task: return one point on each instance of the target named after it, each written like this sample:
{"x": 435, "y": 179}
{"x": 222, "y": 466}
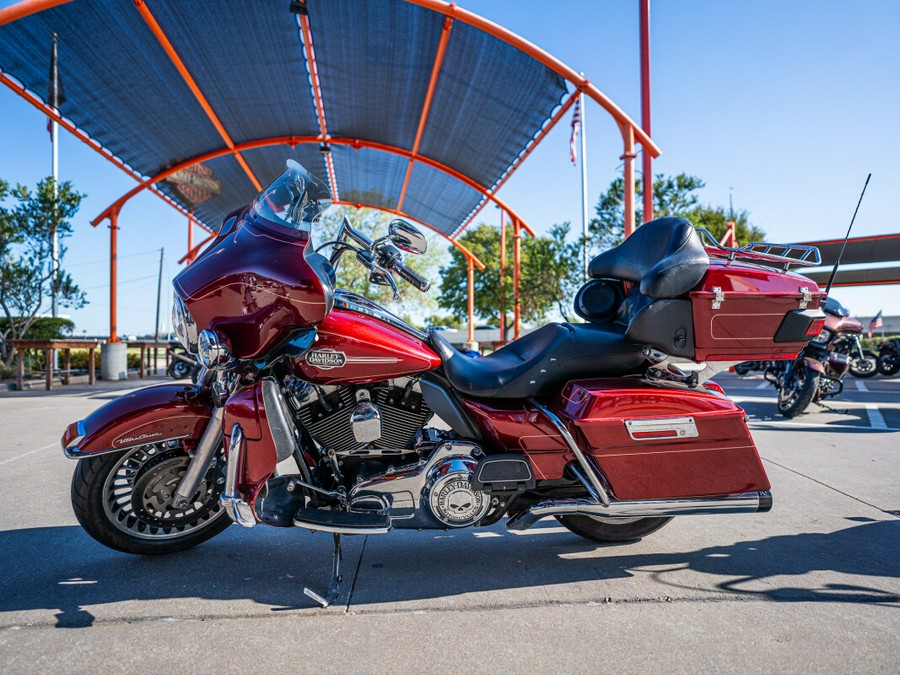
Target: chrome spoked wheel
{"x": 125, "y": 500}
{"x": 139, "y": 491}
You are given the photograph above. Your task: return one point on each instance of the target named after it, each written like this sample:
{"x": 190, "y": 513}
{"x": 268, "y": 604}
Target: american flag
{"x": 876, "y": 322}
{"x": 576, "y": 129}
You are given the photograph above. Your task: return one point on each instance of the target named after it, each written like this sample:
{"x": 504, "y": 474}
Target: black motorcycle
{"x": 182, "y": 364}
{"x": 889, "y": 357}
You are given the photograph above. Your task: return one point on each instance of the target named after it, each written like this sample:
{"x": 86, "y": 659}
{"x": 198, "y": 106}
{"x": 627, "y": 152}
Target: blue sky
{"x": 788, "y": 104}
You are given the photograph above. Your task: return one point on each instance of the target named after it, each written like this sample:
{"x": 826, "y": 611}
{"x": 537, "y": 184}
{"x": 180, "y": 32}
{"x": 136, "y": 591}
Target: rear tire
{"x": 865, "y": 367}
{"x": 123, "y": 500}
{"x": 795, "y": 395}
{"x": 606, "y": 531}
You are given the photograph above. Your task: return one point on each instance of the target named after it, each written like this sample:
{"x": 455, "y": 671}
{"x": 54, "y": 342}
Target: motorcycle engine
{"x": 362, "y": 422}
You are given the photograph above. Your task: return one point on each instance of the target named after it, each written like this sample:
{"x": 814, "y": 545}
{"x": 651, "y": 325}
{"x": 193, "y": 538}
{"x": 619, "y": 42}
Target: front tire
{"x": 608, "y": 531}
{"x": 866, "y": 366}
{"x": 795, "y": 395}
{"x": 124, "y": 500}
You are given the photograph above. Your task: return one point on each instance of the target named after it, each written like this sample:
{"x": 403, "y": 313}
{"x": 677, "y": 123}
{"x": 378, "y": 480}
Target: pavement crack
{"x": 831, "y": 487}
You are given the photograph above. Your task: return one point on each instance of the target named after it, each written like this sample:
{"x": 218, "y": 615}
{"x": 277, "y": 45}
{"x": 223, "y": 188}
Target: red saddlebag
{"x": 657, "y": 443}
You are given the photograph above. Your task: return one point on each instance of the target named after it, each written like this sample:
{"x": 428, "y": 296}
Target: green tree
{"x": 26, "y": 254}
{"x": 550, "y": 269}
{"x": 413, "y": 305}
{"x": 672, "y": 196}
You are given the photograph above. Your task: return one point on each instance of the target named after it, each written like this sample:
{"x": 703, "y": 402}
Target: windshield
{"x": 295, "y": 199}
{"x": 835, "y": 308}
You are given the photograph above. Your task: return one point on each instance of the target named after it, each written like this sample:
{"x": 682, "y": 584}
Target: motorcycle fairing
{"x": 151, "y": 415}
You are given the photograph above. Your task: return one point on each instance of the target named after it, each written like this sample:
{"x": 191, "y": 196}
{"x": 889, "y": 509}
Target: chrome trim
{"x": 209, "y": 443}
{"x": 747, "y": 502}
{"x": 592, "y": 473}
{"x": 337, "y": 529}
{"x": 75, "y": 453}
{"x": 210, "y": 350}
{"x": 684, "y": 427}
{"x": 357, "y": 303}
{"x": 238, "y": 510}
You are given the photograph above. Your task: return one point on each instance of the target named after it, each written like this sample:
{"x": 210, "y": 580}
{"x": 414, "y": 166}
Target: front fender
{"x": 152, "y": 415}
{"x": 814, "y": 364}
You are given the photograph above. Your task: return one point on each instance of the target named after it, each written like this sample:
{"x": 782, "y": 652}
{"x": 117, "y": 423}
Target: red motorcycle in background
{"x": 319, "y": 409}
{"x": 818, "y": 371}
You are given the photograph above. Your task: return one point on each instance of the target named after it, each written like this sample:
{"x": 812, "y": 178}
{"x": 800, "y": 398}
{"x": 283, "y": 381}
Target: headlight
{"x": 185, "y": 326}
{"x": 213, "y": 349}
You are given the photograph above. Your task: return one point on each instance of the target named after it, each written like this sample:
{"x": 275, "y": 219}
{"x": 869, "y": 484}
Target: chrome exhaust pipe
{"x": 747, "y": 502}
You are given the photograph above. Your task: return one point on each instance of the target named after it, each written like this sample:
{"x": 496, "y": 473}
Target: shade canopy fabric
{"x": 393, "y": 104}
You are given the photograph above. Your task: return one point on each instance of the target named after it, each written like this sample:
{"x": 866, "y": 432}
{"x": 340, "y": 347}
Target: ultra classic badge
{"x": 326, "y": 359}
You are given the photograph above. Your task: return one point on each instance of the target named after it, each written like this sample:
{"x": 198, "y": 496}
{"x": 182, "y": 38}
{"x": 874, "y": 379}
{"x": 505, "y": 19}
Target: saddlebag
{"x": 652, "y": 442}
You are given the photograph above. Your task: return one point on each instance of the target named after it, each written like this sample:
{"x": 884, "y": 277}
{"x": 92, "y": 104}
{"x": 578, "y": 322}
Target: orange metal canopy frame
{"x": 631, "y": 132}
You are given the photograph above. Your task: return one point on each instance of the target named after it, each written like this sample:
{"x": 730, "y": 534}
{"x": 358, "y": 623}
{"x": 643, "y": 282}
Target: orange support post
{"x": 113, "y": 273}
{"x": 470, "y": 283}
{"x": 502, "y": 275}
{"x": 646, "y": 157}
{"x": 628, "y": 157}
{"x": 26, "y": 8}
{"x": 190, "y": 237}
{"x": 517, "y": 262}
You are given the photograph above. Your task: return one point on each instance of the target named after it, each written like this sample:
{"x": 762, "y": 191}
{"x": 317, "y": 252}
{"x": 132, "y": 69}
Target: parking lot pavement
{"x": 812, "y": 586}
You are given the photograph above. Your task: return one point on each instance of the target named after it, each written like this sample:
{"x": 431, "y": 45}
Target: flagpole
{"x": 584, "y": 205}
{"x": 54, "y": 137}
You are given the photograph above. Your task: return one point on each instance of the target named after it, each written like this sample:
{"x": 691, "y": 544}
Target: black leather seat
{"x": 664, "y": 256}
{"x": 541, "y": 361}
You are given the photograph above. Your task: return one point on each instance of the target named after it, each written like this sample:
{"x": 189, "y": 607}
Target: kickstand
{"x": 336, "y": 578}
{"x": 845, "y": 411}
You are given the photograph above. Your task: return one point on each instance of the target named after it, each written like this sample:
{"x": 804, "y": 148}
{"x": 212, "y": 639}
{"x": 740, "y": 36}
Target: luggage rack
{"x": 763, "y": 252}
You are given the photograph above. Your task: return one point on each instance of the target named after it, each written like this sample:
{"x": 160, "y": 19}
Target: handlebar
{"x": 411, "y": 276}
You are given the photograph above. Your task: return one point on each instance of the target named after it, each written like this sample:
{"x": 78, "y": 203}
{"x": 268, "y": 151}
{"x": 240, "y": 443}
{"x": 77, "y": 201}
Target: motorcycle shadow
{"x": 61, "y": 570}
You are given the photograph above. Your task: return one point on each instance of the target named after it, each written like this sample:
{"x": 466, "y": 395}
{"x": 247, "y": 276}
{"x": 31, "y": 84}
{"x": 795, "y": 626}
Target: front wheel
{"x": 888, "y": 364}
{"x": 867, "y": 366}
{"x": 797, "y": 392}
{"x": 124, "y": 500}
{"x": 607, "y": 531}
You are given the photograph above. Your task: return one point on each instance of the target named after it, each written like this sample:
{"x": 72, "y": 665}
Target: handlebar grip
{"x": 412, "y": 277}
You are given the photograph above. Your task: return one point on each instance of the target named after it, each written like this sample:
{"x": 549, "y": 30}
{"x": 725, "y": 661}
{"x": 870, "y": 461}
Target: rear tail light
{"x": 815, "y": 327}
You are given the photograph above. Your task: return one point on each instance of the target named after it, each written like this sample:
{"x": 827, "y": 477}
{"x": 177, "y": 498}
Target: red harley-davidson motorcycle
{"x": 319, "y": 409}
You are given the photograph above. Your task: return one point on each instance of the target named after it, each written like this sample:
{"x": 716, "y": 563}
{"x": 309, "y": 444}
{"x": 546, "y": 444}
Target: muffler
{"x": 747, "y": 502}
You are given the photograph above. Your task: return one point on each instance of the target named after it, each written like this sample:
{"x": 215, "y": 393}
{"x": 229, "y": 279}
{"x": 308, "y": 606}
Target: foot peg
{"x": 342, "y": 522}
{"x": 335, "y": 590}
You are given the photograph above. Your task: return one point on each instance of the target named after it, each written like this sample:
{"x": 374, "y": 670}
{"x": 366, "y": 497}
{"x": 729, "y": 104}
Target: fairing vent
{"x": 403, "y": 414}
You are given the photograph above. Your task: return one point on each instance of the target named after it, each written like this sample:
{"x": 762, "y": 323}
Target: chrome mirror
{"x": 407, "y": 238}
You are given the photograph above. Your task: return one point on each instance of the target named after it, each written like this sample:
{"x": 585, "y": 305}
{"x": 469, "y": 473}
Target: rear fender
{"x": 153, "y": 415}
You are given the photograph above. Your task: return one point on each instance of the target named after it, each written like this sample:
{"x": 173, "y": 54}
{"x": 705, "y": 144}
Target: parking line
{"x": 861, "y": 385}
{"x": 876, "y": 419}
{"x": 13, "y": 459}
{"x": 763, "y": 385}
{"x": 817, "y": 425}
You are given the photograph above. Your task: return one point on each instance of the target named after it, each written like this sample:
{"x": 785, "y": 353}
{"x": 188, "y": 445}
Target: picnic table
{"x": 146, "y": 346}
{"x": 50, "y": 347}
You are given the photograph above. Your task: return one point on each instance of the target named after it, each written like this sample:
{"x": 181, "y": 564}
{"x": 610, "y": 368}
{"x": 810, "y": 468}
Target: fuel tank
{"x": 355, "y": 348}
{"x": 843, "y": 324}
{"x": 255, "y": 284}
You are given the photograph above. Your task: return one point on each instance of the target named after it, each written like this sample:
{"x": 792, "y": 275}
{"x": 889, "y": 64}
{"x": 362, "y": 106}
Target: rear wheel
{"x": 605, "y": 531}
{"x": 124, "y": 500}
{"x": 867, "y": 366}
{"x": 797, "y": 392}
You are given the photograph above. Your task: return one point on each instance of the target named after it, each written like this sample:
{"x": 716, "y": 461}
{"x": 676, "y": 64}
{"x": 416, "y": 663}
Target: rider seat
{"x": 540, "y": 362}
